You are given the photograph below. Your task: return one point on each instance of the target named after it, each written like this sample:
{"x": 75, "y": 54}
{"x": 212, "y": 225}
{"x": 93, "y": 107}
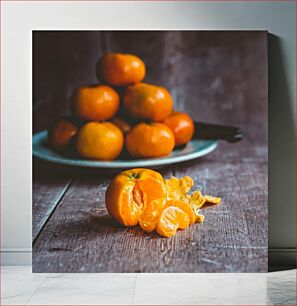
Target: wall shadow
{"x": 282, "y": 152}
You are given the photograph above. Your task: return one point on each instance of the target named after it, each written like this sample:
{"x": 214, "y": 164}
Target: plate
{"x": 194, "y": 149}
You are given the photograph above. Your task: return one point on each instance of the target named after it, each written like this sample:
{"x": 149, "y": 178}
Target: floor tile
{"x": 281, "y": 288}
{"x": 89, "y": 275}
{"x": 200, "y": 288}
{"x": 79, "y": 289}
{"x": 19, "y": 284}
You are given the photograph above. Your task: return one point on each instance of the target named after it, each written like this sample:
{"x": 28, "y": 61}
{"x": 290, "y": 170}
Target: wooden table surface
{"x": 72, "y": 231}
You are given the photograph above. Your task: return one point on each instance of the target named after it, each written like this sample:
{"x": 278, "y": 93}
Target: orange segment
{"x": 136, "y": 196}
{"x": 186, "y": 207}
{"x": 151, "y": 190}
{"x": 172, "y": 219}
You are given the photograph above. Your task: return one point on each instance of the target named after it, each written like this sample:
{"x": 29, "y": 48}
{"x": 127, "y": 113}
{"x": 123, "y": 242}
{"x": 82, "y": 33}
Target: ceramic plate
{"x": 194, "y": 149}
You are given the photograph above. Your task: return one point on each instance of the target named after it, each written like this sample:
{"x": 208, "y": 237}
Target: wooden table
{"x": 222, "y": 78}
{"x": 73, "y": 232}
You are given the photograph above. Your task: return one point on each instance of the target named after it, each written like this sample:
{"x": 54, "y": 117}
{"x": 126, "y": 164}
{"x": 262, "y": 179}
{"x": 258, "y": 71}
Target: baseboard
{"x": 277, "y": 257}
{"x": 282, "y": 257}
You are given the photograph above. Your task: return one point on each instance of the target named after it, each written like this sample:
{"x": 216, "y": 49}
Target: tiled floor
{"x": 21, "y": 287}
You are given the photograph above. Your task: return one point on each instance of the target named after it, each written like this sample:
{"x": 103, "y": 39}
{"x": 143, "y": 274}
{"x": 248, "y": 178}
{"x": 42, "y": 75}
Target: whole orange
{"x": 182, "y": 127}
{"x": 150, "y": 140}
{"x": 150, "y": 102}
{"x": 61, "y": 133}
{"x": 122, "y": 124}
{"x": 120, "y": 69}
{"x": 102, "y": 141}
{"x": 92, "y": 103}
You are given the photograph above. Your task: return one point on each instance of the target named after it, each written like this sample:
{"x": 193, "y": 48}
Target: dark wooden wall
{"x": 215, "y": 76}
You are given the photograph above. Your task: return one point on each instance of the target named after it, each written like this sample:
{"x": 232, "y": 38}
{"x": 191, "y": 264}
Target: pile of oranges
{"x": 121, "y": 111}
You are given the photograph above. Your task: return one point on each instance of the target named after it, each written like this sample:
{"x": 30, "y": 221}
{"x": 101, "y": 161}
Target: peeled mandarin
{"x": 136, "y": 196}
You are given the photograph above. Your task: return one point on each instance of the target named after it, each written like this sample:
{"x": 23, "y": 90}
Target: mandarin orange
{"x": 149, "y": 140}
{"x": 148, "y": 102}
{"x": 95, "y": 103}
{"x": 61, "y": 133}
{"x": 102, "y": 141}
{"x": 120, "y": 69}
{"x": 136, "y": 196}
{"x": 182, "y": 127}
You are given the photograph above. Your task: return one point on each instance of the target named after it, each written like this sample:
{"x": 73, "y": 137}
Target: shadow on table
{"x": 106, "y": 223}
{"x": 43, "y": 169}
{"x": 95, "y": 226}
{"x": 47, "y": 170}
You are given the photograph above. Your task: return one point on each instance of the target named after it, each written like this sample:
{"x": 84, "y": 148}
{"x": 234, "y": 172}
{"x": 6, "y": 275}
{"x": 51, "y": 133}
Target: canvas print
{"x": 150, "y": 151}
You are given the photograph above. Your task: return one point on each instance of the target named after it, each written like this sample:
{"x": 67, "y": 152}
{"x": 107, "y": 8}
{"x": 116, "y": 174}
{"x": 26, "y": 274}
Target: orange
{"x": 61, "y": 133}
{"x": 148, "y": 102}
{"x": 122, "y": 124}
{"x": 182, "y": 127}
{"x": 102, "y": 141}
{"x": 94, "y": 103}
{"x": 120, "y": 69}
{"x": 149, "y": 140}
{"x": 136, "y": 196}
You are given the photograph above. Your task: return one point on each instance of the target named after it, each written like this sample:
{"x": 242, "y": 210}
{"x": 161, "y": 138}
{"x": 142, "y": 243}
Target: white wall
{"x": 20, "y": 18}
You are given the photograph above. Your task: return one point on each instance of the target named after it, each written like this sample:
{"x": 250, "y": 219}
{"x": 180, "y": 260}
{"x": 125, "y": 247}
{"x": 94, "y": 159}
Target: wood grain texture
{"x": 47, "y": 193}
{"x": 217, "y": 77}
{"x": 81, "y": 237}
